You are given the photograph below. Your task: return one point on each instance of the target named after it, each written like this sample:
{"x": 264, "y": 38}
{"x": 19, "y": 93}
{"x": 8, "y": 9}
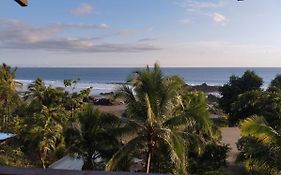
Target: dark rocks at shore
{"x": 212, "y": 98}
{"x": 107, "y": 93}
{"x": 106, "y": 99}
{"x": 103, "y": 102}
{"x": 204, "y": 88}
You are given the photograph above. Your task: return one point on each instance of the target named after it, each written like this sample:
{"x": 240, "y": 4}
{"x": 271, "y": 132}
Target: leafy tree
{"x": 160, "y": 116}
{"x": 43, "y": 117}
{"x": 260, "y": 146}
{"x": 74, "y": 101}
{"x": 236, "y": 86}
{"x": 212, "y": 159}
{"x": 46, "y": 133}
{"x": 264, "y": 103}
{"x": 275, "y": 84}
{"x": 46, "y": 112}
{"x": 92, "y": 138}
{"x": 247, "y": 104}
{"x": 9, "y": 98}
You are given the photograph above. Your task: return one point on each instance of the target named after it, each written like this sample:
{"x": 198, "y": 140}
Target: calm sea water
{"x": 107, "y": 79}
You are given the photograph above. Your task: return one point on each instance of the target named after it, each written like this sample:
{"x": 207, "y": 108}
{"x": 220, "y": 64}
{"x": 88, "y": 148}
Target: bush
{"x": 212, "y": 159}
{"x": 236, "y": 86}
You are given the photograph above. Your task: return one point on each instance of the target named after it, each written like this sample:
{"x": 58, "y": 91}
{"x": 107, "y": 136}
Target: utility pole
{"x": 22, "y": 3}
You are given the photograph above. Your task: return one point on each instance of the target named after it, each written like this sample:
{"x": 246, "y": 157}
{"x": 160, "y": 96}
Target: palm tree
{"x": 36, "y": 90}
{"x": 45, "y": 117}
{"x": 9, "y": 97}
{"x": 46, "y": 133}
{"x": 92, "y": 138}
{"x": 74, "y": 101}
{"x": 159, "y": 116}
{"x": 261, "y": 149}
{"x": 40, "y": 96}
{"x": 45, "y": 95}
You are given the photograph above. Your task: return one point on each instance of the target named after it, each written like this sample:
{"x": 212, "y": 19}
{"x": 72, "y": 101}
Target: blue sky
{"x": 130, "y": 33}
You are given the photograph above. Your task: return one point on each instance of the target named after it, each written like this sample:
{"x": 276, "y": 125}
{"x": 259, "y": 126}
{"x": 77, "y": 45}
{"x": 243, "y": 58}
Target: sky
{"x": 134, "y": 33}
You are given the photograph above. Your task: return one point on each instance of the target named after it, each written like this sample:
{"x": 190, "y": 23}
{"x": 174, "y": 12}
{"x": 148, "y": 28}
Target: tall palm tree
{"x": 45, "y": 95}
{"x": 159, "y": 116}
{"x": 92, "y": 138}
{"x": 45, "y": 117}
{"x": 262, "y": 147}
{"x": 46, "y": 133}
{"x": 9, "y": 97}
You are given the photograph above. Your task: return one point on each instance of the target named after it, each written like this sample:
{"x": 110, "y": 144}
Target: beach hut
{"x": 23, "y": 3}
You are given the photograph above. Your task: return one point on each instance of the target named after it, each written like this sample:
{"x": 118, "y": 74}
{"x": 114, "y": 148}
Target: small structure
{"x": 68, "y": 163}
{"x": 137, "y": 165}
{"x": 5, "y": 136}
{"x": 22, "y": 3}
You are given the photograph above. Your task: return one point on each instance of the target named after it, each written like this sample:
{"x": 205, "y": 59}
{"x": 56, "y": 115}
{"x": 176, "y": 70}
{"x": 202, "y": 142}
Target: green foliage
{"x": 212, "y": 159}
{"x": 275, "y": 84}
{"x": 164, "y": 120}
{"x": 43, "y": 117}
{"x": 260, "y": 146}
{"x": 217, "y": 172}
{"x": 220, "y": 121}
{"x": 236, "y": 86}
{"x": 92, "y": 137}
{"x": 11, "y": 154}
{"x": 247, "y": 104}
{"x": 9, "y": 98}
{"x": 162, "y": 124}
{"x": 264, "y": 103}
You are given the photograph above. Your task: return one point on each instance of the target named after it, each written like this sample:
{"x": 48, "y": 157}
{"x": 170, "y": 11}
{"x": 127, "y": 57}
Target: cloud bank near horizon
{"x": 15, "y": 34}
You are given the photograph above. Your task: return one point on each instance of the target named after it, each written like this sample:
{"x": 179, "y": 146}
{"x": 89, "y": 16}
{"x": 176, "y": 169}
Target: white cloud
{"x": 16, "y": 35}
{"x": 195, "y": 5}
{"x": 203, "y": 8}
{"x": 184, "y": 21}
{"x": 82, "y": 9}
{"x": 80, "y": 26}
{"x": 204, "y": 5}
{"x": 218, "y": 18}
{"x": 148, "y": 40}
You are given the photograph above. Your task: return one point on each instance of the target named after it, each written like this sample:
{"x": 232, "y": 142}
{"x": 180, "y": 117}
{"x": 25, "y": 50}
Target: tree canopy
{"x": 161, "y": 115}
{"x": 237, "y": 85}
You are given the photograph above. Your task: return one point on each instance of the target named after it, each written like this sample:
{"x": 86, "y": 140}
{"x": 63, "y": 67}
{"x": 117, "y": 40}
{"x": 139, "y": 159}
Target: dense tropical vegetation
{"x": 231, "y": 91}
{"x": 257, "y": 112}
{"x": 164, "y": 125}
{"x": 166, "y": 121}
{"x": 260, "y": 146}
{"x": 85, "y": 138}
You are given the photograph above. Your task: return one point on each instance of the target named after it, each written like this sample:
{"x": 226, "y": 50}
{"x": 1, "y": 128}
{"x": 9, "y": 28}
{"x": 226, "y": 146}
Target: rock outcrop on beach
{"x": 103, "y": 102}
{"x": 212, "y": 98}
{"x": 204, "y": 88}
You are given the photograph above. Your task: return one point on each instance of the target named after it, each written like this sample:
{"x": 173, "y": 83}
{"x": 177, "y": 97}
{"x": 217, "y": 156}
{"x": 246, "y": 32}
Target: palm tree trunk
{"x": 148, "y": 161}
{"x": 43, "y": 163}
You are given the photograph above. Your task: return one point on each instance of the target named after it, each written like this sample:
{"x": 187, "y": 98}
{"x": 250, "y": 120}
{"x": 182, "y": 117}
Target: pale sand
{"x": 231, "y": 135}
{"x": 115, "y": 109}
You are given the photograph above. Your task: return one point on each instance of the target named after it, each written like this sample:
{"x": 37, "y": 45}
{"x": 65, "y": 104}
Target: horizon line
{"x": 145, "y": 66}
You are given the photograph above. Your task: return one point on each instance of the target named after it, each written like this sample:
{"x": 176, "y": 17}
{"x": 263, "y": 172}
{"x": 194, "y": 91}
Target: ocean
{"x": 108, "y": 79}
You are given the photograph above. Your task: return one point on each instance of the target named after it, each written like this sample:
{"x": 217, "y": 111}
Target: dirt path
{"x": 230, "y": 135}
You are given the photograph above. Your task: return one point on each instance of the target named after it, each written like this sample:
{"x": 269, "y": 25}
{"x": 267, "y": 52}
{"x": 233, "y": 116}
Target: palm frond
{"x": 256, "y": 126}
{"x": 123, "y": 151}
{"x": 177, "y": 150}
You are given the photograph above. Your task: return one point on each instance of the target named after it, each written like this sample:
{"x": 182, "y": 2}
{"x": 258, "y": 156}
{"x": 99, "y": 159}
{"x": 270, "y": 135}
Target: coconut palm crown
{"x": 159, "y": 117}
